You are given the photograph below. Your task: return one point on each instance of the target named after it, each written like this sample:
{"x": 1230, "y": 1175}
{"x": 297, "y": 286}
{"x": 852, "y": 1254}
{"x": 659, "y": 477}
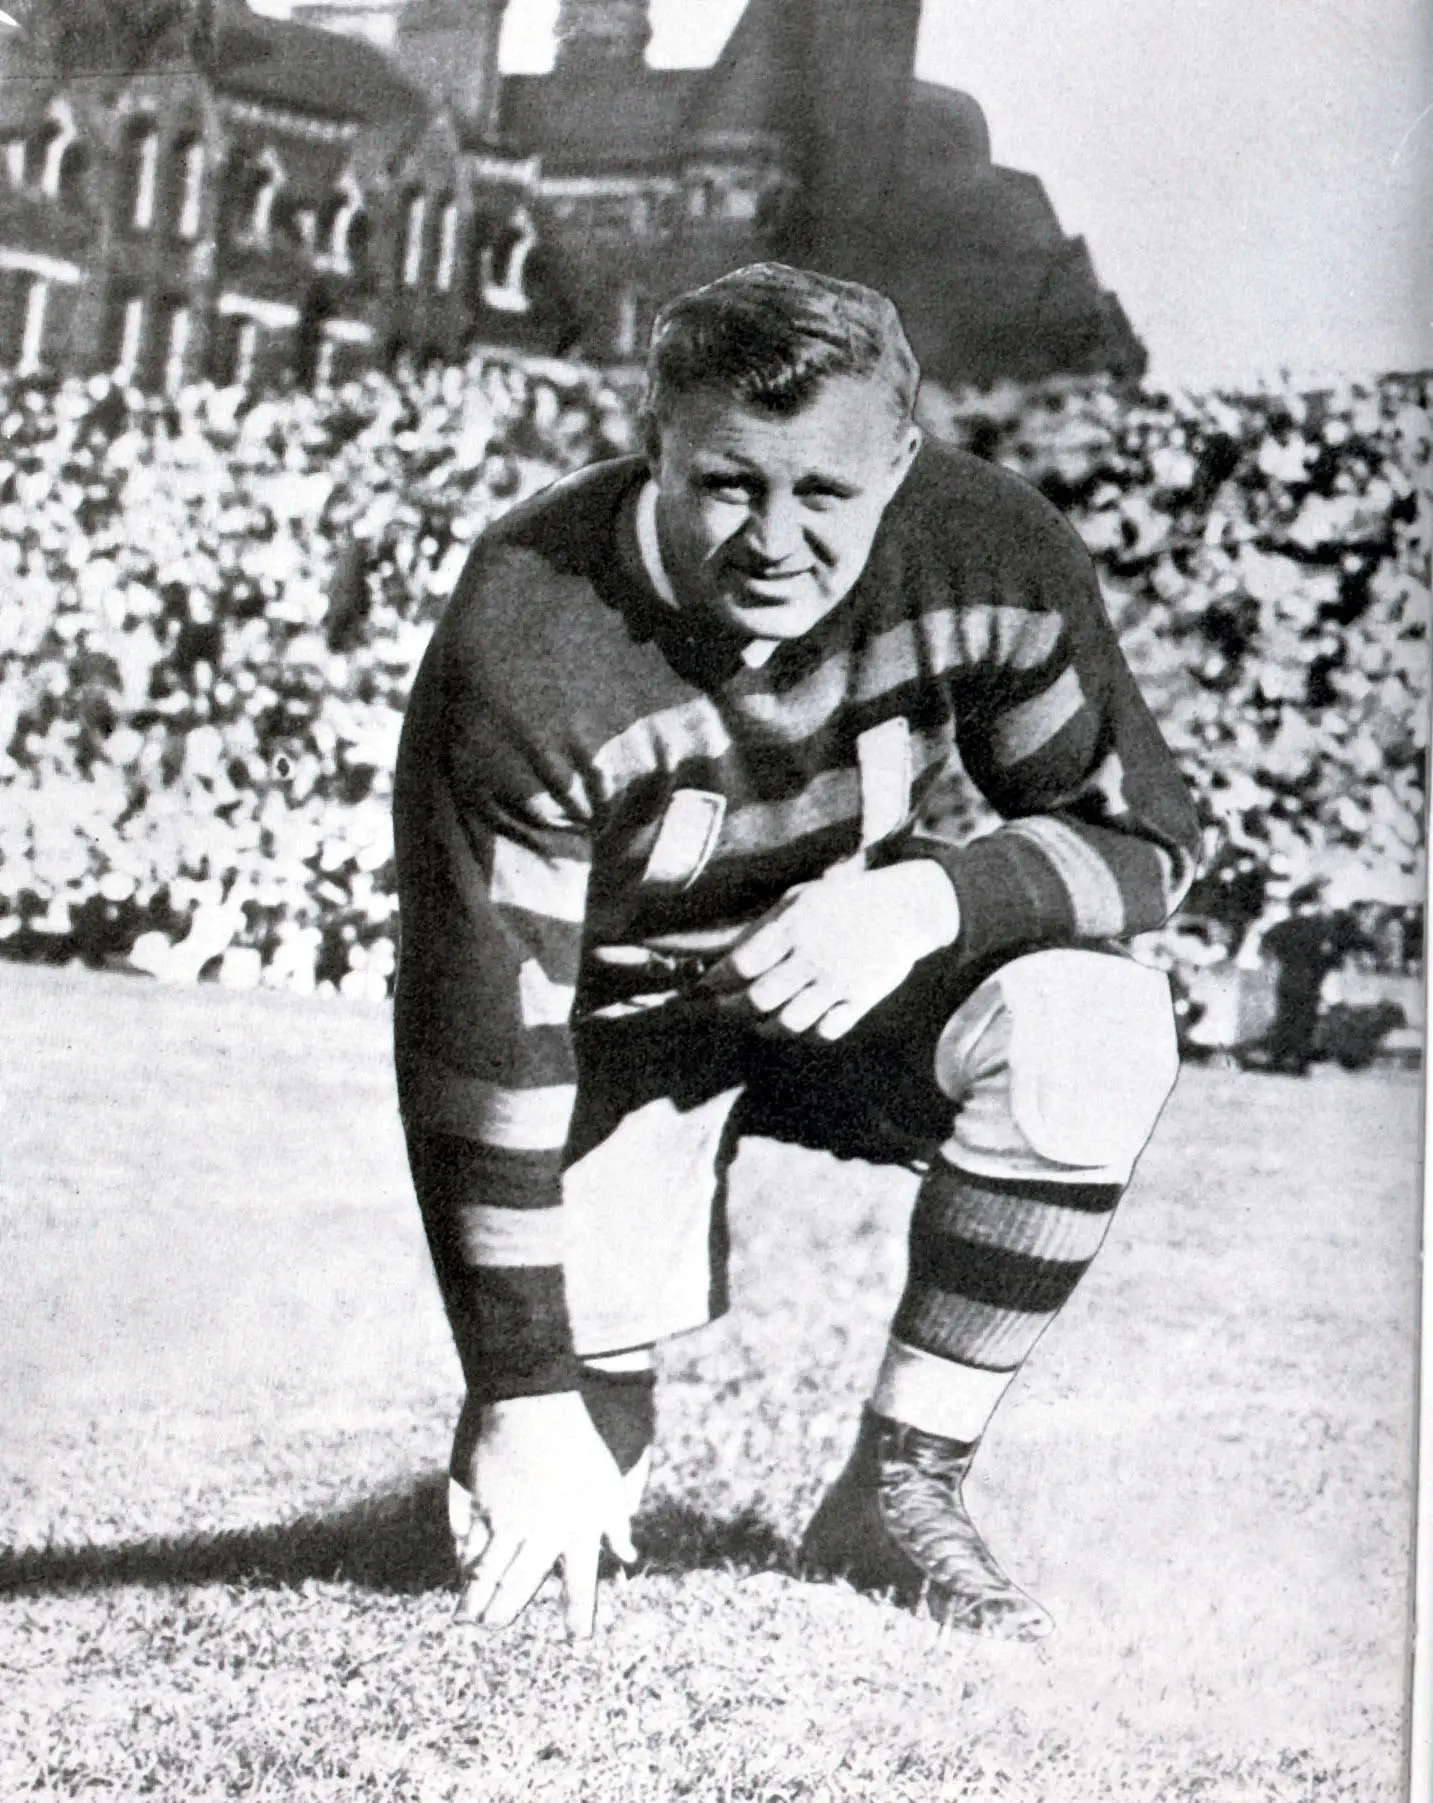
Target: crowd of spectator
{"x": 1266, "y": 558}
{"x": 213, "y": 606}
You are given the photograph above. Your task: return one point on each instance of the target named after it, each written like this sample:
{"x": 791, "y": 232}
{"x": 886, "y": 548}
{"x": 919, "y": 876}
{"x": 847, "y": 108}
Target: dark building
{"x": 190, "y": 189}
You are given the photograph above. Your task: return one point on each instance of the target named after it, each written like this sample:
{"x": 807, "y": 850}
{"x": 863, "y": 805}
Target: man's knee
{"x": 1059, "y": 1064}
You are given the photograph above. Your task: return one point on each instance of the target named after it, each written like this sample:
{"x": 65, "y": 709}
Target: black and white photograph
{"x": 713, "y": 771}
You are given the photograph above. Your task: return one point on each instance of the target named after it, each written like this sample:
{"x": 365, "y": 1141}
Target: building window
{"x": 251, "y": 188}
{"x": 74, "y": 170}
{"x": 502, "y": 265}
{"x": 414, "y": 219}
{"x": 337, "y": 227}
{"x": 139, "y": 172}
{"x": 360, "y": 241}
{"x": 32, "y": 332}
{"x": 447, "y": 245}
{"x": 15, "y": 156}
{"x": 268, "y": 179}
{"x": 189, "y": 189}
{"x": 178, "y": 326}
{"x": 293, "y": 225}
{"x": 55, "y": 142}
{"x": 246, "y": 351}
{"x": 630, "y": 306}
{"x": 325, "y": 352}
{"x": 124, "y": 336}
{"x": 236, "y": 350}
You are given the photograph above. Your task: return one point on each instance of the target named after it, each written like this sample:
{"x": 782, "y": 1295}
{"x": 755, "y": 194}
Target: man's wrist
{"x": 933, "y": 901}
{"x": 512, "y": 1332}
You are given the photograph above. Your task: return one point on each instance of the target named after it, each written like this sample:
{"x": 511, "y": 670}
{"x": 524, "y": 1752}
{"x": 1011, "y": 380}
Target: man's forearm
{"x": 1048, "y": 880}
{"x": 499, "y": 1269}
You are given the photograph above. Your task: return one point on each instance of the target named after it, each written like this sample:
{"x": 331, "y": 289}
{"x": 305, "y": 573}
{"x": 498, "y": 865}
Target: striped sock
{"x": 992, "y": 1262}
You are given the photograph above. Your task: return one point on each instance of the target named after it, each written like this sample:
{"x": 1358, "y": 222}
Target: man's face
{"x": 767, "y": 522}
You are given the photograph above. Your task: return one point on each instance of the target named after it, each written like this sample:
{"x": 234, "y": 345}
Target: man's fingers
{"x": 579, "y": 1584}
{"x": 803, "y": 1011}
{"x": 472, "y": 1545}
{"x": 618, "y": 1536}
{"x": 519, "y": 1584}
{"x": 776, "y": 987}
{"x": 767, "y": 946}
{"x": 839, "y": 1020}
{"x": 481, "y": 1580}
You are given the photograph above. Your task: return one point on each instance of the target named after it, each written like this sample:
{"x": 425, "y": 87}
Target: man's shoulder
{"x": 567, "y": 531}
{"x": 541, "y": 579}
{"x": 970, "y": 507}
{"x": 585, "y": 503}
{"x": 541, "y": 630}
{"x": 952, "y": 484}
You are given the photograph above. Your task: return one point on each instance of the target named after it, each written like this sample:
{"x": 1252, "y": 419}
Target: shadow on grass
{"x": 396, "y": 1542}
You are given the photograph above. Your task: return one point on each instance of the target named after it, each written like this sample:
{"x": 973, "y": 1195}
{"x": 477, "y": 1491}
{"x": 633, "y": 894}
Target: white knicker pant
{"x": 1055, "y": 1068}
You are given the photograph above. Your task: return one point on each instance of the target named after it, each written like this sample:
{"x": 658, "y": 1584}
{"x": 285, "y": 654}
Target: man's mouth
{"x": 769, "y": 585}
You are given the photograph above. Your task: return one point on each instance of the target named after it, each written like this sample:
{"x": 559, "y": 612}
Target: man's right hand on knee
{"x": 546, "y": 1491}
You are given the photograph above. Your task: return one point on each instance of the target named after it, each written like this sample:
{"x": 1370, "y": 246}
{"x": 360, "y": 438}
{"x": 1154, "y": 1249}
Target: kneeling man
{"x": 663, "y": 884}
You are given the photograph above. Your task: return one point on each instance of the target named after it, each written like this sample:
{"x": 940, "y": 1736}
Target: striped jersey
{"x": 598, "y": 791}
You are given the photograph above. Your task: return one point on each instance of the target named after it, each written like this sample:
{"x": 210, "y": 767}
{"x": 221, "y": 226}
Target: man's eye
{"x": 726, "y": 487}
{"x": 822, "y": 495}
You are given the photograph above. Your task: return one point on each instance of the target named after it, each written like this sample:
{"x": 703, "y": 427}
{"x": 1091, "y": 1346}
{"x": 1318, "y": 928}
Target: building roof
{"x": 598, "y": 120}
{"x": 317, "y": 71}
{"x": 759, "y": 82}
{"x": 945, "y": 128}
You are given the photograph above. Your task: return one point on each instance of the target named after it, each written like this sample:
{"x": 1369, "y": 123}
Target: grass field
{"x": 228, "y": 1392}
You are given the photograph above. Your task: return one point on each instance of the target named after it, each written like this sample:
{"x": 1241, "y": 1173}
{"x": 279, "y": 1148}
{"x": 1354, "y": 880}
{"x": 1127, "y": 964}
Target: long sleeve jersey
{"x": 597, "y": 793}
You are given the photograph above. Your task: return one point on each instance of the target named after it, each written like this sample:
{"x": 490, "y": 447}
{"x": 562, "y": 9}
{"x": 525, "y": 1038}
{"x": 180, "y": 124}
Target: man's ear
{"x": 911, "y": 440}
{"x": 651, "y": 439}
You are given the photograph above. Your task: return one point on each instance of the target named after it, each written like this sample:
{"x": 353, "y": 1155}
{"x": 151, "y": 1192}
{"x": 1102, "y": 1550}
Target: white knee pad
{"x": 1060, "y": 1064}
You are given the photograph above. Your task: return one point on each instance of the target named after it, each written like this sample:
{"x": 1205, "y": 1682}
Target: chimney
{"x": 602, "y": 33}
{"x": 863, "y": 61}
{"x": 449, "y": 48}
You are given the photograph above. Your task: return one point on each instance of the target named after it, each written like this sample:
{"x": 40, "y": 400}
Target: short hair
{"x": 769, "y": 335}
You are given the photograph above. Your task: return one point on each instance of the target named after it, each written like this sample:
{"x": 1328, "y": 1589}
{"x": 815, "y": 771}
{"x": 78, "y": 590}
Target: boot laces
{"x": 920, "y": 1487}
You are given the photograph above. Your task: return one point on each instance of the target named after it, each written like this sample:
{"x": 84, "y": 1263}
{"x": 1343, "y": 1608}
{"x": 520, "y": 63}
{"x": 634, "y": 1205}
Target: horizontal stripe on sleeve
{"x": 1007, "y": 638}
{"x": 1021, "y": 731}
{"x": 512, "y": 1119}
{"x": 542, "y": 1002}
{"x": 510, "y": 1237}
{"x": 522, "y": 878}
{"x": 1094, "y": 892}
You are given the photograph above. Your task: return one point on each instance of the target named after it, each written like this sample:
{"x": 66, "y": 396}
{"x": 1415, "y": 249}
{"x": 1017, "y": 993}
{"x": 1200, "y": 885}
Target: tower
{"x": 602, "y": 31}
{"x": 861, "y": 63}
{"x": 449, "y": 48}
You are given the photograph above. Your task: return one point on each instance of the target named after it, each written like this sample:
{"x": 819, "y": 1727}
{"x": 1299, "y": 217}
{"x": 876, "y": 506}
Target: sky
{"x": 1254, "y": 177}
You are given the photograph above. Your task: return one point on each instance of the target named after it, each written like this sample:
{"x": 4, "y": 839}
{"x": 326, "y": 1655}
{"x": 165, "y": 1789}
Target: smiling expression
{"x": 767, "y": 521}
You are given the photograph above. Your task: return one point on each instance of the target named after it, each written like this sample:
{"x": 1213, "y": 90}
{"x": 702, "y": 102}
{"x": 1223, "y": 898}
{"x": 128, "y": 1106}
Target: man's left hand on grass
{"x": 829, "y": 951}
{"x": 547, "y": 1493}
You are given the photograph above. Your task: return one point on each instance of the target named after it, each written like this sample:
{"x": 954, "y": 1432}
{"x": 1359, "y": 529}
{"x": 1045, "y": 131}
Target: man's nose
{"x": 774, "y": 529}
